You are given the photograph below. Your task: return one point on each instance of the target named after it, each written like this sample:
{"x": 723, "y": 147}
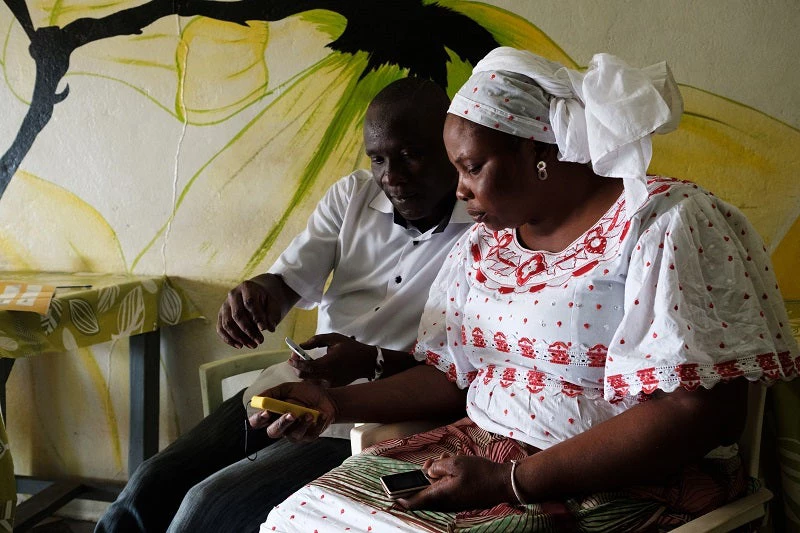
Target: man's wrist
{"x": 267, "y": 280}
{"x": 378, "y": 366}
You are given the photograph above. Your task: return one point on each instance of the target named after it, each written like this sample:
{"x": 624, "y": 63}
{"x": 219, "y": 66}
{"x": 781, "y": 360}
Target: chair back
{"x": 750, "y": 441}
{"x": 212, "y": 374}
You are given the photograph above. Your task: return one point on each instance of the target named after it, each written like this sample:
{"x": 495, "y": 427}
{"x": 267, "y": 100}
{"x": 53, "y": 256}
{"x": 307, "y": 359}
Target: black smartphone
{"x": 404, "y": 483}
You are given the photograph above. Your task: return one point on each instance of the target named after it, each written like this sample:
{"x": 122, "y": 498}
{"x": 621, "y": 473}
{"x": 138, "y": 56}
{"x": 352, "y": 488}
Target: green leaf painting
{"x": 214, "y": 61}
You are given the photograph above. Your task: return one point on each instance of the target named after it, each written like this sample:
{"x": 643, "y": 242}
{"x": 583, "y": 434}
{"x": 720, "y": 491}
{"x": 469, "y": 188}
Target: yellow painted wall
{"x": 199, "y": 147}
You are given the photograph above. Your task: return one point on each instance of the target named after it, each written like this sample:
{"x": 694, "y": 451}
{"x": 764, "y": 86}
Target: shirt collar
{"x": 458, "y": 215}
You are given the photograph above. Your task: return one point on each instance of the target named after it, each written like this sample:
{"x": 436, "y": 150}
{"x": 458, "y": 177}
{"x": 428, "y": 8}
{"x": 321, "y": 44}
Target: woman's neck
{"x": 578, "y": 203}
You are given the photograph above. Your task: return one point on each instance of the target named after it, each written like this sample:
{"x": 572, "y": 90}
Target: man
{"x": 384, "y": 236}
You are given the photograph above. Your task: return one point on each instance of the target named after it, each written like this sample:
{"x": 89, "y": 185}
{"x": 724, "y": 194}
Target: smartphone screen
{"x": 404, "y": 483}
{"x": 297, "y": 349}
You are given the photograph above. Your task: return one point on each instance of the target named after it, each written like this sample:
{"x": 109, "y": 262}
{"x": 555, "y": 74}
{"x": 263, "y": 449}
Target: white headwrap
{"x": 604, "y": 115}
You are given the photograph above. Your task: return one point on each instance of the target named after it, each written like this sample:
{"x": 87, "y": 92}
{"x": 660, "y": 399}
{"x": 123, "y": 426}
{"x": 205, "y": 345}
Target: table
{"x": 90, "y": 309}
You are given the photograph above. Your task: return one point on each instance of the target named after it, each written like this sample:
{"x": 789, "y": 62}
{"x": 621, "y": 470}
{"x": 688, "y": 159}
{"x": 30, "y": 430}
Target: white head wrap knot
{"x": 604, "y": 116}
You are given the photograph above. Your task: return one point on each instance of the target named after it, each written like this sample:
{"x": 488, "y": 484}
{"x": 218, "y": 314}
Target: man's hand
{"x": 253, "y": 306}
{"x": 462, "y": 482}
{"x": 346, "y": 360}
{"x": 287, "y": 425}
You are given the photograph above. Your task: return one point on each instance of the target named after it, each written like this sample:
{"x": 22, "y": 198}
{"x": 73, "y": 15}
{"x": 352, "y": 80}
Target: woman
{"x": 596, "y": 322}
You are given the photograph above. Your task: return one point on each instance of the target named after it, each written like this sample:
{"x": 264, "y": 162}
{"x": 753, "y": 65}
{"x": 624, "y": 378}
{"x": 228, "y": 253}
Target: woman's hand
{"x": 461, "y": 482}
{"x": 346, "y": 360}
{"x": 294, "y": 428}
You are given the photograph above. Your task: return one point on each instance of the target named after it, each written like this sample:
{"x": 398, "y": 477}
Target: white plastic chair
{"x": 219, "y": 380}
{"x": 753, "y": 506}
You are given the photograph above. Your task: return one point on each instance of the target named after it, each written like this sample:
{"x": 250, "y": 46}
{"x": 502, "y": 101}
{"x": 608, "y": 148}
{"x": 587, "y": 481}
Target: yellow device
{"x": 272, "y": 405}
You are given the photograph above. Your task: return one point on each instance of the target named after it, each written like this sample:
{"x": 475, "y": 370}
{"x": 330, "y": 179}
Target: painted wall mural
{"x": 193, "y": 138}
{"x": 217, "y": 66}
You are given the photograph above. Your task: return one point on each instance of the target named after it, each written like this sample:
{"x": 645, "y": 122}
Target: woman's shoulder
{"x": 671, "y": 195}
{"x": 674, "y": 203}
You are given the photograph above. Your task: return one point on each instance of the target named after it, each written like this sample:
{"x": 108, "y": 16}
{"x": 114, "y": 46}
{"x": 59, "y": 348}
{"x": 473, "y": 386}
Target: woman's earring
{"x": 541, "y": 166}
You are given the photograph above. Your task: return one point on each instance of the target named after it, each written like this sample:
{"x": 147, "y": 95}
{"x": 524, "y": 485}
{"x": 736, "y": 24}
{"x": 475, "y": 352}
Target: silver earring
{"x": 541, "y": 167}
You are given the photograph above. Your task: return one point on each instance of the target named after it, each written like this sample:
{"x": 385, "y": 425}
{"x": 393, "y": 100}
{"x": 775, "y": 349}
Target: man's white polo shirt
{"x": 382, "y": 267}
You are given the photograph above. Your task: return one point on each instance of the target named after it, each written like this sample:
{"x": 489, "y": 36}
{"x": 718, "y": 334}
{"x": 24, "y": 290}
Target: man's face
{"x": 410, "y": 164}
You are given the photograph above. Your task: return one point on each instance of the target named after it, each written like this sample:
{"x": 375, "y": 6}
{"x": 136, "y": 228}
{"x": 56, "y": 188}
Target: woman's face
{"x": 496, "y": 174}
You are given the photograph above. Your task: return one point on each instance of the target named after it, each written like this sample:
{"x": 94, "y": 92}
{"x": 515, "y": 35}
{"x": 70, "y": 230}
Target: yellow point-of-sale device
{"x": 272, "y": 405}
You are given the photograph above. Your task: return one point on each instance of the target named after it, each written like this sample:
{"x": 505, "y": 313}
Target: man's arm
{"x": 257, "y": 304}
{"x": 305, "y": 263}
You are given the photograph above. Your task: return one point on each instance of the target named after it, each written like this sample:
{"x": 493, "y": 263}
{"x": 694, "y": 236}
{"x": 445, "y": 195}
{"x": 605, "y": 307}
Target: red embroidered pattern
{"x": 535, "y": 381}
{"x": 557, "y": 352}
{"x": 767, "y": 368}
{"x": 501, "y": 264}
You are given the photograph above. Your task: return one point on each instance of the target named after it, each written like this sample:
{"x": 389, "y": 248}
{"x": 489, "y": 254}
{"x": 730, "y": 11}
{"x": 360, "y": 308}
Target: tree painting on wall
{"x": 216, "y": 57}
{"x": 366, "y": 50}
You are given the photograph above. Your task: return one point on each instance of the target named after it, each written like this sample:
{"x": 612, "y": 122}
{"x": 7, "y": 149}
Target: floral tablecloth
{"x": 109, "y": 306}
{"x": 95, "y": 308}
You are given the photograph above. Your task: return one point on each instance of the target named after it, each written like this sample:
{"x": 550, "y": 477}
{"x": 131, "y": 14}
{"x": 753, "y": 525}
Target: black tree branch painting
{"x": 405, "y": 33}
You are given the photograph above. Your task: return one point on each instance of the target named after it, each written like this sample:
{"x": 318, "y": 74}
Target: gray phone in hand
{"x": 301, "y": 353}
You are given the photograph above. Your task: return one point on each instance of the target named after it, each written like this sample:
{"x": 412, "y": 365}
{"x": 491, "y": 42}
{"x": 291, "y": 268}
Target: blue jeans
{"x": 205, "y": 481}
